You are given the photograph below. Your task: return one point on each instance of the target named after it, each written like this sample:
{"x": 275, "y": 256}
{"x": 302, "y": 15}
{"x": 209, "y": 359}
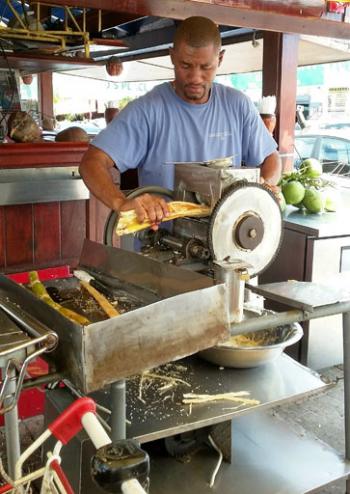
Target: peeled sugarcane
{"x": 128, "y": 222}
{"x": 105, "y": 305}
{"x": 40, "y": 291}
{"x": 192, "y": 398}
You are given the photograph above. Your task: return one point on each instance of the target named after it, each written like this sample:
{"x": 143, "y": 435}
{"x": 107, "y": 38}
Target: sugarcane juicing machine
{"x": 236, "y": 242}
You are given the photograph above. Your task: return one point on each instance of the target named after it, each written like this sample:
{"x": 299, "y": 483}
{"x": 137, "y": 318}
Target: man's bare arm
{"x": 271, "y": 169}
{"x": 95, "y": 170}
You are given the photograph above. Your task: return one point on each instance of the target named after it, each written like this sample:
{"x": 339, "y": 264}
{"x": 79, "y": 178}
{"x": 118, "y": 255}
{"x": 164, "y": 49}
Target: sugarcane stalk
{"x": 40, "y": 291}
{"x": 103, "y": 302}
{"x": 128, "y": 222}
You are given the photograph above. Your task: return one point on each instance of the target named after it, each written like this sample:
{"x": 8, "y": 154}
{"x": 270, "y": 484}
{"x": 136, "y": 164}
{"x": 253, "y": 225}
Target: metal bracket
{"x": 12, "y": 367}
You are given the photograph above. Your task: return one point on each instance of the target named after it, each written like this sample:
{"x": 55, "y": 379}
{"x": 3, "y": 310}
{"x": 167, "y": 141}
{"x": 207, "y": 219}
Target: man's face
{"x": 195, "y": 70}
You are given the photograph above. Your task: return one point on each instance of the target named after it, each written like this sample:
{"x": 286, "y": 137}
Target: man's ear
{"x": 171, "y": 53}
{"x": 221, "y": 56}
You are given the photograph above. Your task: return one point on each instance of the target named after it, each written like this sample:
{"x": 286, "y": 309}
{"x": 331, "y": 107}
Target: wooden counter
{"x": 38, "y": 235}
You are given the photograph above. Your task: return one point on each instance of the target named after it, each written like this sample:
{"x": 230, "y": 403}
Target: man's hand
{"x": 153, "y": 207}
{"x": 273, "y": 188}
{"x": 95, "y": 171}
{"x": 271, "y": 169}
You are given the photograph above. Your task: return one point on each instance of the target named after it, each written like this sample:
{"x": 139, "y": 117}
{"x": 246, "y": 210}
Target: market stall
{"x": 168, "y": 312}
{"x": 178, "y": 312}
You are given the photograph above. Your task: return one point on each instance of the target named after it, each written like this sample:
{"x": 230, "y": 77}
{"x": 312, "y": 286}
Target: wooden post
{"x": 46, "y": 99}
{"x": 280, "y": 63}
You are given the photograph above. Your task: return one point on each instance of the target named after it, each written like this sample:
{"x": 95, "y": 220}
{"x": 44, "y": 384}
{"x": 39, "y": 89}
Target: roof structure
{"x": 246, "y": 56}
{"x": 142, "y": 30}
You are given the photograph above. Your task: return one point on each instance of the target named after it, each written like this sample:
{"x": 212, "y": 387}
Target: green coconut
{"x": 293, "y": 192}
{"x": 313, "y": 200}
{"x": 311, "y": 168}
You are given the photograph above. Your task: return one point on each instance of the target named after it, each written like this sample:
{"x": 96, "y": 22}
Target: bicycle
{"x": 109, "y": 468}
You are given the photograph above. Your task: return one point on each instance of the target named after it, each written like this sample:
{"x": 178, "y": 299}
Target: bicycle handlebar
{"x": 132, "y": 486}
{"x": 69, "y": 422}
{"x": 80, "y": 414}
{"x": 95, "y": 431}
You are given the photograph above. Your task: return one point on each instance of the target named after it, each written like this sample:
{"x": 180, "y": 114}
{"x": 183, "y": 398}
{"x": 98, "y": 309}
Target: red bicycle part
{"x": 6, "y": 488}
{"x": 68, "y": 424}
{"x": 62, "y": 476}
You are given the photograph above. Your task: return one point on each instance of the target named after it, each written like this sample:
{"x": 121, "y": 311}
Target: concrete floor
{"x": 320, "y": 415}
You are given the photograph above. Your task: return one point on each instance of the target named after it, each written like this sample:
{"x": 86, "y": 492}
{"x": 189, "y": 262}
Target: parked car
{"x": 336, "y": 126}
{"x": 332, "y": 150}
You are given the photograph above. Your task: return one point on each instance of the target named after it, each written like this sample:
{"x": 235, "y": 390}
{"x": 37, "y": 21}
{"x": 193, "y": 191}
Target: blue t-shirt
{"x": 160, "y": 128}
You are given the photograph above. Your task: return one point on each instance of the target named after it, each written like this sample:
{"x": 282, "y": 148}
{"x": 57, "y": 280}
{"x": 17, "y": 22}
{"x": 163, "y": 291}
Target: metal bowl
{"x": 266, "y": 346}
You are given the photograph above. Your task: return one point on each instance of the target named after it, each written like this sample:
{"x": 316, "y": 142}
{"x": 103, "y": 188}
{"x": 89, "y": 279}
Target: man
{"x": 267, "y": 108}
{"x": 189, "y": 119}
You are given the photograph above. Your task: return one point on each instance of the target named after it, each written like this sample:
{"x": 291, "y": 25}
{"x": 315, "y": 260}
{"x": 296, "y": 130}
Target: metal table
{"x": 315, "y": 248}
{"x": 273, "y": 384}
{"x": 267, "y": 457}
{"x": 322, "y": 226}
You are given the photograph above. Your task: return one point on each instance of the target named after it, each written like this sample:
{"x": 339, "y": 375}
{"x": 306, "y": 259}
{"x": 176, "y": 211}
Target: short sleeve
{"x": 125, "y": 139}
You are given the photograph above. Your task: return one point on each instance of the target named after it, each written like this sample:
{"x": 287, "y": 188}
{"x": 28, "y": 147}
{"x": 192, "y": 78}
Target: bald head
{"x": 196, "y": 56}
{"x": 198, "y": 32}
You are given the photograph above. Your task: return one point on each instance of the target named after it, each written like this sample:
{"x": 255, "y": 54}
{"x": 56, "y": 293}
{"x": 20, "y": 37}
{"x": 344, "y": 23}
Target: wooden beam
{"x": 34, "y": 63}
{"x": 225, "y": 13}
{"x": 313, "y": 8}
{"x": 280, "y": 63}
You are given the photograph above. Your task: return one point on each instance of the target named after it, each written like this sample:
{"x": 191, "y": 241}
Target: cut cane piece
{"x": 238, "y": 397}
{"x": 128, "y": 222}
{"x": 105, "y": 305}
{"x": 40, "y": 291}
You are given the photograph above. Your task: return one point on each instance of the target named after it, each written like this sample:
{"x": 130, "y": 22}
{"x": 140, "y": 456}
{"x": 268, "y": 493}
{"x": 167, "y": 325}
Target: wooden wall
{"x": 46, "y": 234}
{"x": 41, "y": 235}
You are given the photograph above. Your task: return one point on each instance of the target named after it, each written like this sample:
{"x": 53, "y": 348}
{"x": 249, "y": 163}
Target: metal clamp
{"x": 39, "y": 340}
{"x": 234, "y": 274}
{"x": 12, "y": 367}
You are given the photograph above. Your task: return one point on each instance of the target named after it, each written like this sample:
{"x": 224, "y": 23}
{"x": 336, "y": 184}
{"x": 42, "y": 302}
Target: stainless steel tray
{"x": 189, "y": 314}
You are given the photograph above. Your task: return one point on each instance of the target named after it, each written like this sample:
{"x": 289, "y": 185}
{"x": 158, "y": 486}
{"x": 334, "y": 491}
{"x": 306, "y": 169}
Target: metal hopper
{"x": 180, "y": 313}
